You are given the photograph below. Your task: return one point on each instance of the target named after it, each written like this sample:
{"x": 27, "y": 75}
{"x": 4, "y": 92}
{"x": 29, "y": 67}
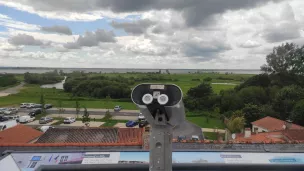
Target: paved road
{"x": 213, "y": 130}
{"x": 91, "y": 111}
{"x": 12, "y": 90}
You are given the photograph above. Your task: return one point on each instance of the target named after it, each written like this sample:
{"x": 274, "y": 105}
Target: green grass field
{"x": 202, "y": 122}
{"x": 31, "y": 93}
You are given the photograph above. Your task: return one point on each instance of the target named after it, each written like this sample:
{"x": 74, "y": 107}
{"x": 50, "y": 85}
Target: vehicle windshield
{"x": 218, "y": 75}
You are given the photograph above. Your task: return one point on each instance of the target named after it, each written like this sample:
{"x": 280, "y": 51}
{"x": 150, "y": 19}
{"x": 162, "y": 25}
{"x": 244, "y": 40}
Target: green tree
{"x": 297, "y": 114}
{"x": 252, "y": 113}
{"x": 42, "y": 102}
{"x": 77, "y": 107}
{"x": 236, "y": 125}
{"x": 202, "y": 90}
{"x": 280, "y": 59}
{"x": 253, "y": 94}
{"x": 85, "y": 116}
{"x": 230, "y": 101}
{"x": 207, "y": 79}
{"x": 285, "y": 100}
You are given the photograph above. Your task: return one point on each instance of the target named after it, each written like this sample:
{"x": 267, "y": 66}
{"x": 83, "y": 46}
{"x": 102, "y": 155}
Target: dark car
{"x": 181, "y": 138}
{"x": 2, "y": 119}
{"x": 49, "y": 119}
{"x": 35, "y": 112}
{"x": 48, "y": 106}
{"x": 37, "y": 106}
{"x": 131, "y": 123}
{"x": 143, "y": 123}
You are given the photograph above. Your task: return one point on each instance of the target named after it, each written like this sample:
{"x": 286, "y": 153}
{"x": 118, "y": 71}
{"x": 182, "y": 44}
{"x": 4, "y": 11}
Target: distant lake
{"x": 56, "y": 85}
{"x": 19, "y": 70}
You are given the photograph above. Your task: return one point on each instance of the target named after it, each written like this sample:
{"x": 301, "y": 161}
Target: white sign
{"x": 101, "y": 158}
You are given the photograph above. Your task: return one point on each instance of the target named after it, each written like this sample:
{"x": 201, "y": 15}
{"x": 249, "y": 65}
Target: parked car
{"x": 45, "y": 128}
{"x": 49, "y": 119}
{"x": 26, "y": 119}
{"x": 35, "y": 112}
{"x": 24, "y": 105}
{"x": 141, "y": 117}
{"x": 69, "y": 120}
{"x": 7, "y": 124}
{"x": 131, "y": 123}
{"x": 48, "y": 106}
{"x": 195, "y": 138}
{"x": 2, "y": 110}
{"x": 30, "y": 105}
{"x": 37, "y": 106}
{"x": 43, "y": 120}
{"x": 143, "y": 123}
{"x": 3, "y": 118}
{"x": 10, "y": 111}
{"x": 181, "y": 138}
{"x": 14, "y": 117}
{"x": 117, "y": 108}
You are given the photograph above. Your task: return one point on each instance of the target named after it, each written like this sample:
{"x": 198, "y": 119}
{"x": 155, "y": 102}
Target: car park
{"x": 69, "y": 120}
{"x": 117, "y": 108}
{"x": 10, "y": 111}
{"x": 49, "y": 119}
{"x": 13, "y": 117}
{"x": 131, "y": 123}
{"x": 35, "y": 112}
{"x": 2, "y": 110}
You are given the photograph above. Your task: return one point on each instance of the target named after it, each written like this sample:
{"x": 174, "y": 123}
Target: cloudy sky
{"x": 204, "y": 34}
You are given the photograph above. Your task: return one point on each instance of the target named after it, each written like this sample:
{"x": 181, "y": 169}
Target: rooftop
{"x": 265, "y": 137}
{"x": 19, "y": 134}
{"x": 273, "y": 124}
{"x": 106, "y": 136}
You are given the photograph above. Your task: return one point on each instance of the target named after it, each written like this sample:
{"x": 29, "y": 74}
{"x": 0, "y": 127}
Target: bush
{"x": 7, "y": 80}
{"x": 208, "y": 79}
{"x": 195, "y": 79}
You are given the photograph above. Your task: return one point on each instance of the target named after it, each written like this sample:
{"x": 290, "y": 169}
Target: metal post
{"x": 161, "y": 146}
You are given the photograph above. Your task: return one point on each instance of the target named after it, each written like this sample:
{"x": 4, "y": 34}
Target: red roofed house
{"x": 19, "y": 134}
{"x": 270, "y": 124}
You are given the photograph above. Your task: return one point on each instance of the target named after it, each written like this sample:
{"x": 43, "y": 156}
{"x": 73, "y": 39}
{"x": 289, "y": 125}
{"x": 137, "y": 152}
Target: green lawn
{"x": 31, "y": 93}
{"x": 202, "y": 122}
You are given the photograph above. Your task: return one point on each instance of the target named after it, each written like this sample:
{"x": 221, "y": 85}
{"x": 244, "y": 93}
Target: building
{"x": 19, "y": 134}
{"x": 270, "y": 124}
{"x": 282, "y": 136}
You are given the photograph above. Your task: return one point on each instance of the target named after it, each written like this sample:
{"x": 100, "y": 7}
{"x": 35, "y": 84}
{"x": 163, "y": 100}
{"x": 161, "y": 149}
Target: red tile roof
{"x": 19, "y": 134}
{"x": 92, "y": 135}
{"x": 273, "y": 124}
{"x": 266, "y": 137}
{"x": 294, "y": 134}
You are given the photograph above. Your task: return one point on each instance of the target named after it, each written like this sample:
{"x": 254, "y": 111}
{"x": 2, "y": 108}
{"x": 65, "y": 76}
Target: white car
{"x": 31, "y": 105}
{"x": 26, "y": 119}
{"x": 10, "y": 111}
{"x": 69, "y": 120}
{"x": 141, "y": 117}
{"x": 24, "y": 105}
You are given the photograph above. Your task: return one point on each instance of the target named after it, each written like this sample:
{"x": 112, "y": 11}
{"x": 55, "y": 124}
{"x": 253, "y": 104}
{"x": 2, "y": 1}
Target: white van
{"x": 26, "y": 119}
{"x": 45, "y": 128}
{"x": 7, "y": 124}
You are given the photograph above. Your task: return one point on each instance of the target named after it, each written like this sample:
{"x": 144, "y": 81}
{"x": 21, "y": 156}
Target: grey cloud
{"x": 135, "y": 27}
{"x": 288, "y": 28}
{"x": 195, "y": 12}
{"x": 58, "y": 29}
{"x": 13, "y": 49}
{"x": 91, "y": 39}
{"x": 204, "y": 51}
{"x": 24, "y": 39}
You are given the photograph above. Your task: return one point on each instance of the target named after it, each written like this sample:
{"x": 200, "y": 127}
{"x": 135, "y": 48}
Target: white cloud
{"x": 6, "y": 21}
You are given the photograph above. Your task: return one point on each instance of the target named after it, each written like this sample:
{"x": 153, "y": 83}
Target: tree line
{"x": 99, "y": 86}
{"x": 278, "y": 92}
{"x": 44, "y": 78}
{"x": 7, "y": 80}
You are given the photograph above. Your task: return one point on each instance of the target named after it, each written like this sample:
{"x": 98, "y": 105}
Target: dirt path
{"x": 12, "y": 90}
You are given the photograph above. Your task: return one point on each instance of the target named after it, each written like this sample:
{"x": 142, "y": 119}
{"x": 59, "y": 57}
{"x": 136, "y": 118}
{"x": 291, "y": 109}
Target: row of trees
{"x": 7, "y": 80}
{"x": 45, "y": 78}
{"x": 99, "y": 87}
